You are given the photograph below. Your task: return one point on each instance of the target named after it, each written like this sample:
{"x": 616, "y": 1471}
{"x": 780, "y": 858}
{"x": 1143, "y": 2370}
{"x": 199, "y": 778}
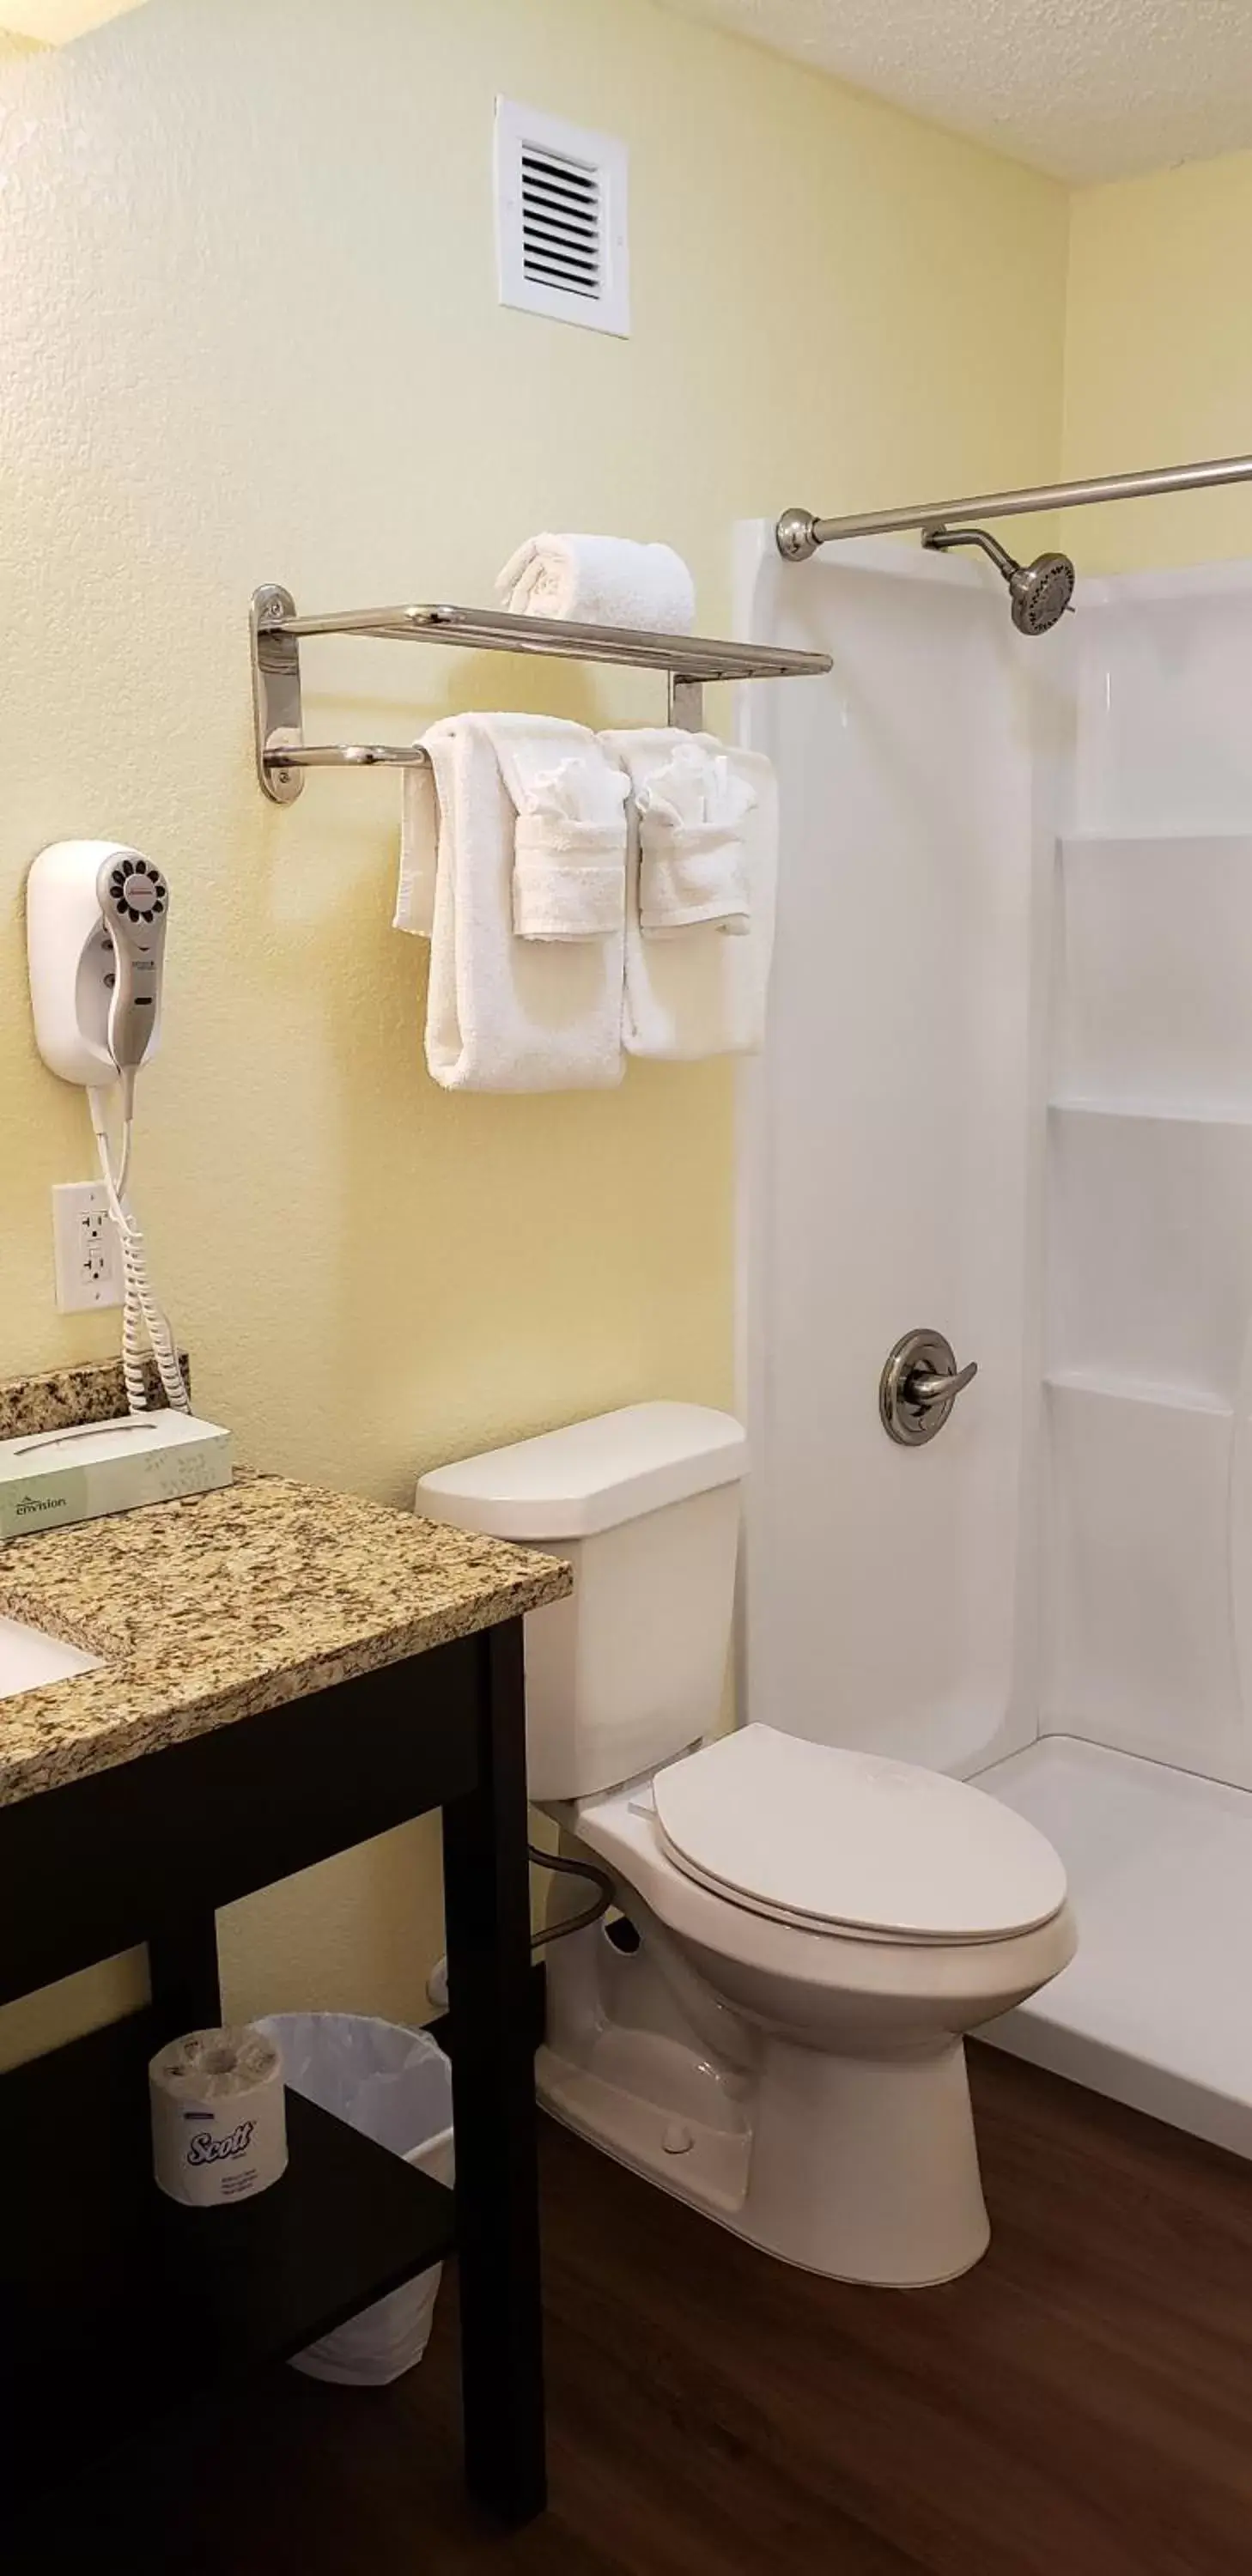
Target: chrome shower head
{"x": 1039, "y": 592}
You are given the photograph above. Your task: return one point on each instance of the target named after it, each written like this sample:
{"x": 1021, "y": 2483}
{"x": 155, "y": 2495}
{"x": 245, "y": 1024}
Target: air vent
{"x": 561, "y": 220}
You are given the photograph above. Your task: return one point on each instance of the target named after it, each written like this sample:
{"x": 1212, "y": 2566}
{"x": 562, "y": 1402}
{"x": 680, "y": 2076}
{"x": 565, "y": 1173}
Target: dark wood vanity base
{"x": 114, "y": 2303}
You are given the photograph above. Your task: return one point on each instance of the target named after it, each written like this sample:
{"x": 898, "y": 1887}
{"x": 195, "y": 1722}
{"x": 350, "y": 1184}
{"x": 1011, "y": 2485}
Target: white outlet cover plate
{"x": 85, "y": 1247}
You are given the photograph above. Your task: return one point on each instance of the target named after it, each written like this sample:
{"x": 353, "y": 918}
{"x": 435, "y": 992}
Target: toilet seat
{"x": 852, "y": 1843}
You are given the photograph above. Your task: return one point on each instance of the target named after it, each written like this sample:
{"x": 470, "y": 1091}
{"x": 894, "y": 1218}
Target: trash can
{"x": 395, "y": 2086}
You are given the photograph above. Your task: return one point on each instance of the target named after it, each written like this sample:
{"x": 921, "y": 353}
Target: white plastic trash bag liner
{"x": 394, "y": 2086}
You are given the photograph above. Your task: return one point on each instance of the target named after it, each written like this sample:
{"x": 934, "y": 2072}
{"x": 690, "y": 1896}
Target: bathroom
{"x": 254, "y": 333}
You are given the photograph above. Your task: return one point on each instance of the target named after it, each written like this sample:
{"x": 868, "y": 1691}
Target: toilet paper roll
{"x": 219, "y": 2116}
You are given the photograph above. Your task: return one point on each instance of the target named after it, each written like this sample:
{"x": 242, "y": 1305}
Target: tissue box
{"x": 54, "y": 1477}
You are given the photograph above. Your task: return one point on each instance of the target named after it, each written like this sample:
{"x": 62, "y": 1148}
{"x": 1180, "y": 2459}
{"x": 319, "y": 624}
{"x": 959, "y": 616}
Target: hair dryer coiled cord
{"x": 145, "y": 1325}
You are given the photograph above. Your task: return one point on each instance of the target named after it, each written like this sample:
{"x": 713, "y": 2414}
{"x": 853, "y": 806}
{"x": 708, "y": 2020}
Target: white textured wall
{"x": 250, "y": 331}
{"x": 57, "y": 22}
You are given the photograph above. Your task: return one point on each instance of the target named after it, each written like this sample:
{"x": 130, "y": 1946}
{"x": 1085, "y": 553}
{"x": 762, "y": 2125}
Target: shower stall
{"x": 1008, "y": 1096}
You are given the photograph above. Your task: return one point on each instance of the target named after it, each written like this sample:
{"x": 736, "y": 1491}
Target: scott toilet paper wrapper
{"x": 219, "y": 2119}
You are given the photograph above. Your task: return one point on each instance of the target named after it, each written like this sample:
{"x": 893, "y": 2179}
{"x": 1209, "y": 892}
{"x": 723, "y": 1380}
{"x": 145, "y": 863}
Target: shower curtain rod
{"x": 799, "y": 533}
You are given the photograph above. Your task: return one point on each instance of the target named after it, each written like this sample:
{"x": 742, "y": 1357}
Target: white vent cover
{"x": 561, "y": 220}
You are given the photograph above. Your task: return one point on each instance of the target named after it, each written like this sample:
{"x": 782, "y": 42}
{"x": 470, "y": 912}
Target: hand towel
{"x": 502, "y": 1014}
{"x": 700, "y": 994}
{"x": 603, "y": 581}
{"x": 693, "y": 859}
{"x": 569, "y": 871}
{"x": 569, "y": 874}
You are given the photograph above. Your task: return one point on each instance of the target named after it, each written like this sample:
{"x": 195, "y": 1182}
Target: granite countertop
{"x": 208, "y": 1610}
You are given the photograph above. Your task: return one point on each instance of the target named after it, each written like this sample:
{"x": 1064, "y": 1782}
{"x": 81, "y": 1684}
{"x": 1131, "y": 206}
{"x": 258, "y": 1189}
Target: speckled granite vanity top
{"x": 209, "y": 1610}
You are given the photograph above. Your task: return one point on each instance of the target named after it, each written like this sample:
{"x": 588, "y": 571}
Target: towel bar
{"x": 346, "y": 755}
{"x": 282, "y": 755}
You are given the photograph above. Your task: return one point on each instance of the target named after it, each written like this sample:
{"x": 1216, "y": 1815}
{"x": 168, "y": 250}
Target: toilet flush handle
{"x": 919, "y": 1386}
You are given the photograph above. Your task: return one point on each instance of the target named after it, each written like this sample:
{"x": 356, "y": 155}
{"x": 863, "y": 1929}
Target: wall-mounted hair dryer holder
{"x": 96, "y": 915}
{"x": 95, "y": 933}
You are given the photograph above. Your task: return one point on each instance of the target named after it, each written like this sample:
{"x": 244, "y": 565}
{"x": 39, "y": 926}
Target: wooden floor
{"x": 1081, "y": 2405}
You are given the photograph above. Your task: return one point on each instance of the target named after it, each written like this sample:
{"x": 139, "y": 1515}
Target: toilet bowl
{"x": 775, "y": 2029}
{"x": 822, "y": 2108}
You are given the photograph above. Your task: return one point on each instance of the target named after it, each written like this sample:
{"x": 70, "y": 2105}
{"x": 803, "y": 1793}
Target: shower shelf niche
{"x": 1164, "y": 1113}
{"x": 1144, "y": 1652}
{"x": 1126, "y": 1390}
{"x": 1153, "y": 971}
{"x": 1150, "y": 1251}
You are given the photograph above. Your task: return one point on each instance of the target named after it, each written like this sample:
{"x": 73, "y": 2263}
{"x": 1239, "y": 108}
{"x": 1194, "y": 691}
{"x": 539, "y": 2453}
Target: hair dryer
{"x": 96, "y": 917}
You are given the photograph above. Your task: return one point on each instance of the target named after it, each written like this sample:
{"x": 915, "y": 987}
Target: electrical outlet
{"x": 84, "y": 1238}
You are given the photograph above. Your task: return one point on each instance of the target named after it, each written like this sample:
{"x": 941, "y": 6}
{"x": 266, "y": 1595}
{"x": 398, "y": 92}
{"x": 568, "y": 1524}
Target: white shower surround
{"x": 1008, "y": 1093}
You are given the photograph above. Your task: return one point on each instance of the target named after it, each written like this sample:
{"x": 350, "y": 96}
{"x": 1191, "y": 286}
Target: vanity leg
{"x": 183, "y": 1975}
{"x": 487, "y": 1898}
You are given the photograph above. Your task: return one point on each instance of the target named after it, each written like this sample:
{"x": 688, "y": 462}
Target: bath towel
{"x": 503, "y": 1013}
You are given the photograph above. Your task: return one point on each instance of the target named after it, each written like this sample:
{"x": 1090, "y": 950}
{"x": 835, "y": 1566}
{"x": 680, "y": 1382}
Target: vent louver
{"x": 561, "y": 220}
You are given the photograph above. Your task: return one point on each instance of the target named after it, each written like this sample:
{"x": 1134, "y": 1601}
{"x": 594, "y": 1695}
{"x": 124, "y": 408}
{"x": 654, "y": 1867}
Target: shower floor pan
{"x": 1156, "y": 2007}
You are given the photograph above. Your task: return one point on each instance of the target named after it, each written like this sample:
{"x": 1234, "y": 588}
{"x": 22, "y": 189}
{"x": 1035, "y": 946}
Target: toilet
{"x": 773, "y": 2029}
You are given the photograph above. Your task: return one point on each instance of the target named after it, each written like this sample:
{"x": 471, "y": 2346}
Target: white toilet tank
{"x": 645, "y": 1504}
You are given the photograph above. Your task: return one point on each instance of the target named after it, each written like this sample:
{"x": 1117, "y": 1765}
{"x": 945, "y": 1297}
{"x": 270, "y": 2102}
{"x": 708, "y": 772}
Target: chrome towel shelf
{"x": 283, "y": 755}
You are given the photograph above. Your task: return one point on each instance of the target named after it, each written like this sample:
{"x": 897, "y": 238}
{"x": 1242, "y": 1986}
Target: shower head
{"x": 1039, "y": 592}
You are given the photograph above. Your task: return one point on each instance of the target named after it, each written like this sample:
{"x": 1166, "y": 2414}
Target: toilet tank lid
{"x": 591, "y": 1475}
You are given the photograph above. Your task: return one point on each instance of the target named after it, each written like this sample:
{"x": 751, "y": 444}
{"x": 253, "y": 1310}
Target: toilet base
{"x": 867, "y": 2168}
{"x": 692, "y": 2158}
{"x": 860, "y": 2169}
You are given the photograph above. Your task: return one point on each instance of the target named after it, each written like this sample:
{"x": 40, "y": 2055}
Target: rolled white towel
{"x": 693, "y": 857}
{"x": 601, "y": 581}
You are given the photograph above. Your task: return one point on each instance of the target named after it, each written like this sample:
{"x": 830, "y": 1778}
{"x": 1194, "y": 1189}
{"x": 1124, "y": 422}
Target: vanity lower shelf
{"x": 116, "y": 2305}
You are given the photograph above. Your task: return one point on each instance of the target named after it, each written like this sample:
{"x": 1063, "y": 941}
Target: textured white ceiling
{"x": 1088, "y": 89}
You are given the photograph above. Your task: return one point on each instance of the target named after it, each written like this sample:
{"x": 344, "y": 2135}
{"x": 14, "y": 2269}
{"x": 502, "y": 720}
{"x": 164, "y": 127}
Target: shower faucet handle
{"x": 926, "y": 1390}
{"x": 919, "y": 1386}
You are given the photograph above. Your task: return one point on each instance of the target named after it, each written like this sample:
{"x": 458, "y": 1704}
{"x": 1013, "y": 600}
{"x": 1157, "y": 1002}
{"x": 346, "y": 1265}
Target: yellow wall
{"x": 250, "y": 331}
{"x": 1159, "y": 357}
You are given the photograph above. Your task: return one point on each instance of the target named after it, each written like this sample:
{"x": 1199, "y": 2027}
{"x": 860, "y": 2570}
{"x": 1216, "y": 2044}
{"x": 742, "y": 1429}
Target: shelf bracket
{"x": 686, "y": 702}
{"x": 277, "y": 707}
{"x": 282, "y": 754}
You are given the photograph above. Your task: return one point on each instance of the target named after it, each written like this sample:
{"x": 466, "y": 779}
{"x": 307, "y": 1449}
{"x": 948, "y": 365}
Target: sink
{"x": 28, "y": 1658}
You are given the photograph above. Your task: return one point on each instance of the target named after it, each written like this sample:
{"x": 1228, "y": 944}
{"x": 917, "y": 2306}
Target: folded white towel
{"x": 603, "y": 581}
{"x": 502, "y": 1014}
{"x": 700, "y": 994}
{"x": 569, "y": 873}
{"x": 693, "y": 859}
{"x": 419, "y": 847}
